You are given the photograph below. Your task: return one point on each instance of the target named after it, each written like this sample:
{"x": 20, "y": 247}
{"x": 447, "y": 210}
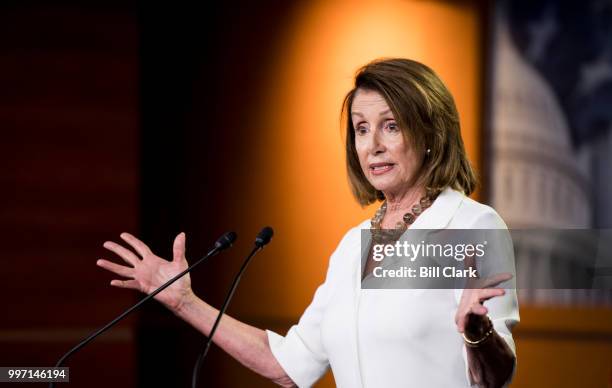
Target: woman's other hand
{"x": 471, "y": 313}
{"x": 146, "y": 272}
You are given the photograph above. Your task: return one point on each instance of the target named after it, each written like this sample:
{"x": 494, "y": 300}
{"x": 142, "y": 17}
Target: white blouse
{"x": 389, "y": 337}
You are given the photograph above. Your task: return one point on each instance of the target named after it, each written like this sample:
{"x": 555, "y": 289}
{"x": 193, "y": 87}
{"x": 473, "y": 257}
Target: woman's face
{"x": 388, "y": 161}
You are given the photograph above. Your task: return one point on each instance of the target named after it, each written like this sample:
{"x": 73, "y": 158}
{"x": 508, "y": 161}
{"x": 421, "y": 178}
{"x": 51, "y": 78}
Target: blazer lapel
{"x": 441, "y": 212}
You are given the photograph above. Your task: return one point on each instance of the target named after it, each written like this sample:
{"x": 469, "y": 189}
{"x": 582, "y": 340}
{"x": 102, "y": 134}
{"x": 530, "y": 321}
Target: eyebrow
{"x": 380, "y": 114}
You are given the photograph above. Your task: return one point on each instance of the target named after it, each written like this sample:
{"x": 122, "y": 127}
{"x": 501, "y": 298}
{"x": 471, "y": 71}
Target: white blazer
{"x": 389, "y": 337}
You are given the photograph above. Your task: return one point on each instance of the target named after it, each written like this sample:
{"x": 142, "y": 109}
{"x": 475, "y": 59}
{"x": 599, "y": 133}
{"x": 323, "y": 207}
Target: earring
{"x": 428, "y": 151}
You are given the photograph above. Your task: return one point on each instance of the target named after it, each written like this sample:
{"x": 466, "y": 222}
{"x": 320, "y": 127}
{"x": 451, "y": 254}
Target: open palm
{"x": 146, "y": 272}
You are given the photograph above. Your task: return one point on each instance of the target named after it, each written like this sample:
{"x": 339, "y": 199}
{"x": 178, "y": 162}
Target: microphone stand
{"x": 263, "y": 238}
{"x": 219, "y": 246}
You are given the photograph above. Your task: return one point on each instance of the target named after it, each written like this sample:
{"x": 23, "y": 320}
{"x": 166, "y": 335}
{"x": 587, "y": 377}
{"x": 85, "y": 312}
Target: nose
{"x": 376, "y": 144}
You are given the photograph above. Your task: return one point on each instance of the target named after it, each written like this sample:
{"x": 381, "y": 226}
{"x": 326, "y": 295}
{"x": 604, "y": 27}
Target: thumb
{"x": 460, "y": 322}
{"x": 178, "y": 249}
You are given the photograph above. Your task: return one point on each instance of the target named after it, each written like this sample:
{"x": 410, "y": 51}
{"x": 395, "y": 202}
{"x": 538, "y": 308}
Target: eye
{"x": 361, "y": 130}
{"x": 391, "y": 126}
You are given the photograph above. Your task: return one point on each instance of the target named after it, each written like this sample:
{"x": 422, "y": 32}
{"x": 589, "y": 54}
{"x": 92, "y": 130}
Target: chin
{"x": 381, "y": 187}
{"x": 382, "y": 183}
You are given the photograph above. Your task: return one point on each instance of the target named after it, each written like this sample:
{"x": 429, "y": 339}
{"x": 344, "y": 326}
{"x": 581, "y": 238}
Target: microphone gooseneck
{"x": 262, "y": 239}
{"x": 222, "y": 243}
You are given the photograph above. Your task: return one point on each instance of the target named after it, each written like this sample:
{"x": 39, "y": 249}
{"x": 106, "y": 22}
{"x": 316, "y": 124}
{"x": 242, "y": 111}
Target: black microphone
{"x": 225, "y": 241}
{"x": 222, "y": 243}
{"x": 262, "y": 239}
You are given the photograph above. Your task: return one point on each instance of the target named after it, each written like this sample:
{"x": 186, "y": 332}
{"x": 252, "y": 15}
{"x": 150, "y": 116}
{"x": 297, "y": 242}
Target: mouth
{"x": 380, "y": 168}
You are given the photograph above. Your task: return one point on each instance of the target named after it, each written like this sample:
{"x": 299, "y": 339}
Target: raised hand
{"x": 471, "y": 313}
{"x": 145, "y": 271}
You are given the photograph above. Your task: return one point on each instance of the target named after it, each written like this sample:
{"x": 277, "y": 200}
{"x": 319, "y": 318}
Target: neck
{"x": 404, "y": 200}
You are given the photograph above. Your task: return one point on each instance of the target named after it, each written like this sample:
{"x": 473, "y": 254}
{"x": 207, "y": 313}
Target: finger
{"x": 178, "y": 249}
{"x": 488, "y": 293}
{"x": 131, "y": 284}
{"x": 460, "y": 321}
{"x": 479, "y": 309}
{"x": 495, "y": 280}
{"x": 120, "y": 270}
{"x": 122, "y": 252}
{"x": 138, "y": 245}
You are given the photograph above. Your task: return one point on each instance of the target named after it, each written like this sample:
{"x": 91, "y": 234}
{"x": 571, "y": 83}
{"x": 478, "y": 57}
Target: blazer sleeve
{"x": 301, "y": 352}
{"x": 503, "y": 310}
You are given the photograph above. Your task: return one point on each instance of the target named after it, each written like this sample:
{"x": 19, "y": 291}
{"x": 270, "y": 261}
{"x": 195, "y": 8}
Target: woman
{"x": 403, "y": 146}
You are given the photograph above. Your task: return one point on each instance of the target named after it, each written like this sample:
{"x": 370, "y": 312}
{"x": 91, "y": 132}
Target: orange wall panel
{"x": 297, "y": 152}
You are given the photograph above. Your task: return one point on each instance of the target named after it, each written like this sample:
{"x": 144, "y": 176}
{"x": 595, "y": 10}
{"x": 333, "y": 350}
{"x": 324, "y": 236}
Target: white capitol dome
{"x": 538, "y": 180}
